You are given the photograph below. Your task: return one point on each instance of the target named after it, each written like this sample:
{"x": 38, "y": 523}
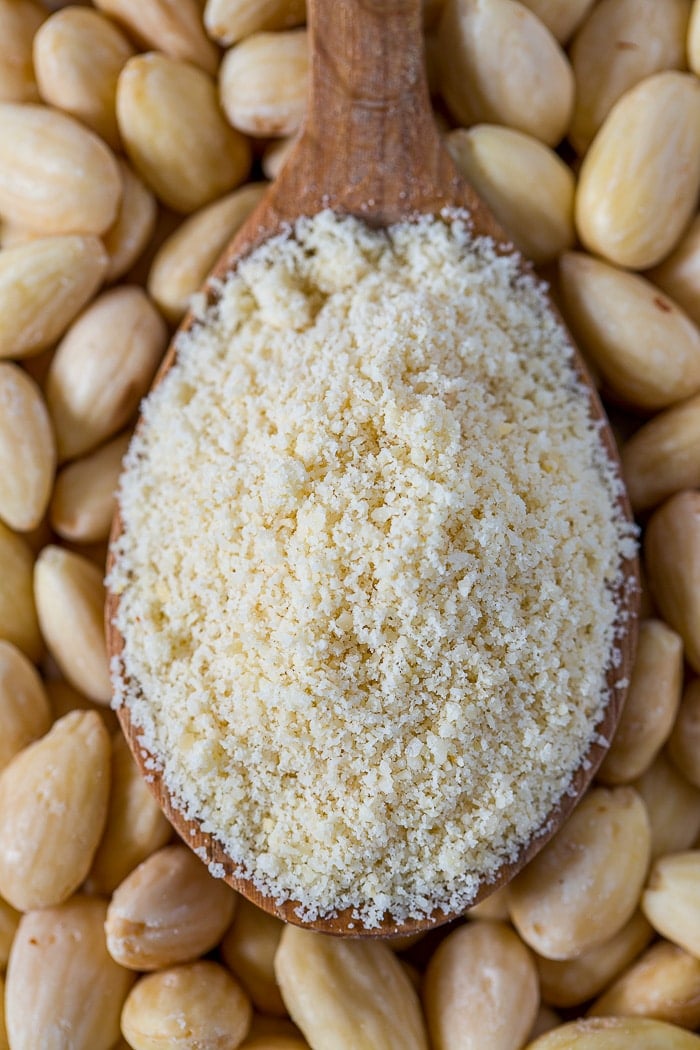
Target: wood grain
{"x": 370, "y": 148}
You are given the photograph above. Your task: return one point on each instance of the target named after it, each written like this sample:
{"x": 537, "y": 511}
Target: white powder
{"x": 366, "y": 574}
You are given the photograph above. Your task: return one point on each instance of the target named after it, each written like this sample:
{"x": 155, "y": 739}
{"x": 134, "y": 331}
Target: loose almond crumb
{"x": 367, "y": 569}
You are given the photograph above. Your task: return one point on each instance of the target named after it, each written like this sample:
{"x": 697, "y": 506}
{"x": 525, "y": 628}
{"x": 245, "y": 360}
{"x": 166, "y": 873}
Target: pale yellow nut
{"x": 349, "y": 994}
{"x": 171, "y": 26}
{"x": 694, "y": 39}
{"x": 102, "y": 368}
{"x": 19, "y": 21}
{"x": 562, "y": 17}
{"x": 43, "y": 285}
{"x": 168, "y": 910}
{"x": 229, "y": 21}
{"x": 671, "y": 901}
{"x": 53, "y": 804}
{"x": 501, "y": 65}
{"x": 198, "y": 1005}
{"x": 263, "y": 83}
{"x": 664, "y": 983}
{"x": 78, "y": 55}
{"x": 672, "y": 558}
{"x": 651, "y": 705}
{"x": 63, "y": 991}
{"x": 64, "y": 698}
{"x": 617, "y": 1033}
{"x": 56, "y": 176}
{"x": 175, "y": 133}
{"x": 83, "y": 502}
{"x": 673, "y": 807}
{"x": 183, "y": 261}
{"x": 25, "y": 714}
{"x": 639, "y": 181}
{"x": 571, "y": 982}
{"x": 663, "y": 456}
{"x": 27, "y": 450}
{"x": 127, "y": 238}
{"x": 620, "y": 43}
{"x": 644, "y": 346}
{"x": 18, "y": 618}
{"x": 248, "y": 949}
{"x": 584, "y": 885}
{"x": 480, "y": 989}
{"x": 528, "y": 187}
{"x": 69, "y": 596}
{"x": 679, "y": 274}
{"x": 135, "y": 826}
{"x": 684, "y": 742}
{"x": 276, "y": 155}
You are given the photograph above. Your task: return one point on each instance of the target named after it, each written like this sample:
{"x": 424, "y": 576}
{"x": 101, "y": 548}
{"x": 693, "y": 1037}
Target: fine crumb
{"x": 368, "y": 566}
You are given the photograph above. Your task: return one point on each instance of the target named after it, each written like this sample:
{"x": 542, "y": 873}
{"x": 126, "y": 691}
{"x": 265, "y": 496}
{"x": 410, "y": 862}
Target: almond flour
{"x": 368, "y": 565}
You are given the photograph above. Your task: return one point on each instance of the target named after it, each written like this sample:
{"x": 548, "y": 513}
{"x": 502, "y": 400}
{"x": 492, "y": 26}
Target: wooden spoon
{"x": 370, "y": 148}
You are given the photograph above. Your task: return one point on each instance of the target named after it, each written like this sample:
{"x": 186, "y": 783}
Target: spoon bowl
{"x": 370, "y": 148}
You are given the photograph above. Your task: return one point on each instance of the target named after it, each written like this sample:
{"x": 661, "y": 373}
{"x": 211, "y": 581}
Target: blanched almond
{"x": 53, "y": 804}
{"x": 673, "y": 807}
{"x": 64, "y": 582}
{"x": 19, "y": 21}
{"x": 664, "y": 983}
{"x": 679, "y": 274}
{"x": 229, "y": 21}
{"x": 263, "y": 83}
{"x": 175, "y": 133}
{"x": 671, "y": 901}
{"x": 55, "y": 175}
{"x": 63, "y": 990}
{"x": 135, "y": 826}
{"x": 248, "y": 949}
{"x": 663, "y": 456}
{"x": 672, "y": 557}
{"x": 584, "y": 885}
{"x": 25, "y": 714}
{"x": 639, "y": 182}
{"x": 646, "y": 349}
{"x": 186, "y": 257}
{"x": 27, "y": 450}
{"x": 562, "y": 17}
{"x": 617, "y": 1033}
{"x": 18, "y": 619}
{"x": 175, "y": 28}
{"x": 501, "y": 65}
{"x": 102, "y": 369}
{"x": 127, "y": 238}
{"x": 168, "y": 910}
{"x": 684, "y": 743}
{"x": 43, "y": 285}
{"x": 82, "y": 506}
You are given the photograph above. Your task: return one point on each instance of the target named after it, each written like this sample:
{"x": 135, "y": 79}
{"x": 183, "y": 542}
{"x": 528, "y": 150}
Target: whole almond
{"x": 480, "y": 989}
{"x": 671, "y": 901}
{"x": 639, "y": 182}
{"x": 570, "y": 982}
{"x": 175, "y": 133}
{"x": 186, "y": 257}
{"x": 198, "y": 1005}
{"x": 19, "y": 21}
{"x": 43, "y": 285}
{"x": 348, "y": 994}
{"x": 70, "y": 599}
{"x": 620, "y": 43}
{"x": 584, "y": 885}
{"x": 673, "y": 807}
{"x": 651, "y": 705}
{"x": 672, "y": 557}
{"x": 501, "y": 65}
{"x": 135, "y": 826}
{"x": 127, "y": 238}
{"x": 78, "y": 55}
{"x": 229, "y": 21}
{"x": 168, "y": 910}
{"x": 249, "y": 949}
{"x": 171, "y": 26}
{"x": 527, "y": 186}
{"x": 63, "y": 989}
{"x": 263, "y": 83}
{"x": 679, "y": 273}
{"x": 53, "y": 804}
{"x": 646, "y": 349}
{"x": 102, "y": 368}
{"x": 83, "y": 503}
{"x": 617, "y": 1033}
{"x": 663, "y": 456}
{"x": 55, "y": 175}
{"x": 684, "y": 743}
{"x": 25, "y": 714}
{"x": 562, "y": 17}
{"x": 664, "y": 983}
{"x": 18, "y": 618}
{"x": 27, "y": 450}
